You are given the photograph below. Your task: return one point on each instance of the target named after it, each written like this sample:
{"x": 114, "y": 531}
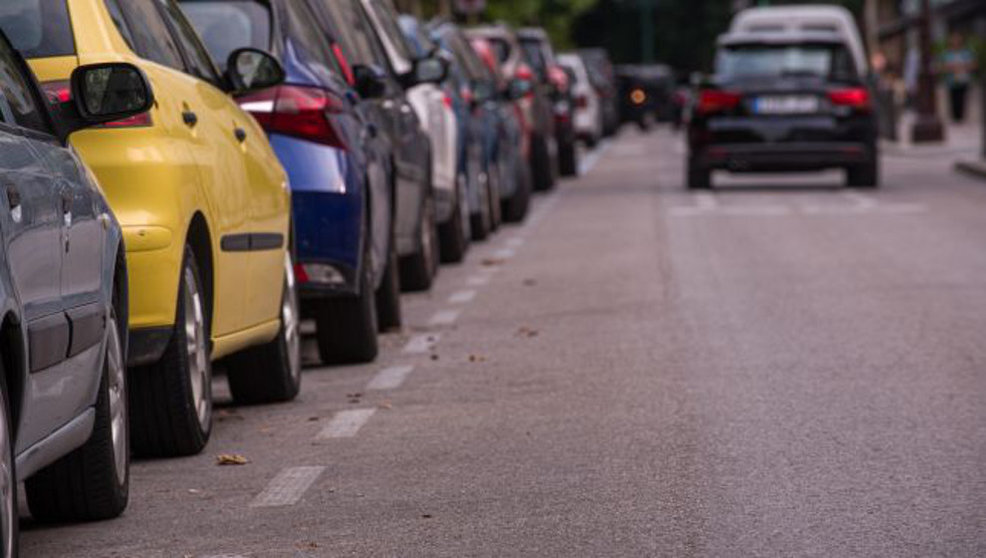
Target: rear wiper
{"x": 799, "y": 73}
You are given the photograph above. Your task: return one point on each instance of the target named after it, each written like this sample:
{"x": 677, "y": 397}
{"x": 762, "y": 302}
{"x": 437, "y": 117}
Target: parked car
{"x": 537, "y": 104}
{"x": 540, "y": 55}
{"x": 384, "y": 75}
{"x": 588, "y": 115}
{"x": 204, "y": 207}
{"x": 345, "y": 253}
{"x": 789, "y": 94}
{"x": 603, "y": 77}
{"x": 646, "y": 94}
{"x": 455, "y": 188}
{"x": 63, "y": 293}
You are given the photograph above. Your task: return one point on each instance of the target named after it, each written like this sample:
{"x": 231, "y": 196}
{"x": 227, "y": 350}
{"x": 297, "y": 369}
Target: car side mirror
{"x": 102, "y": 93}
{"x": 428, "y": 70}
{"x": 519, "y": 88}
{"x": 250, "y": 69}
{"x": 371, "y": 81}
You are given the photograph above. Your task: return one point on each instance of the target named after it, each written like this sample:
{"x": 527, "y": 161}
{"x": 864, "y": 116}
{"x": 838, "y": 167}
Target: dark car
{"x": 603, "y": 78}
{"x": 64, "y": 421}
{"x": 345, "y": 252}
{"x": 537, "y": 105}
{"x": 646, "y": 94}
{"x": 783, "y": 102}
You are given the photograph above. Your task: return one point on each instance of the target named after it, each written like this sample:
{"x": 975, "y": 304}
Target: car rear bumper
{"x": 784, "y": 156}
{"x": 328, "y": 232}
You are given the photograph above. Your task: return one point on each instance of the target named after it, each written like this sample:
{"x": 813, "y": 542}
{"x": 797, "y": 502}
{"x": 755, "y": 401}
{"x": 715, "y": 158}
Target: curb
{"x": 973, "y": 168}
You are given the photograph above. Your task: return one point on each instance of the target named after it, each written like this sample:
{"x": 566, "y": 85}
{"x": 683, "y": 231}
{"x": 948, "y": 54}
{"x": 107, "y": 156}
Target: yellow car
{"x": 204, "y": 206}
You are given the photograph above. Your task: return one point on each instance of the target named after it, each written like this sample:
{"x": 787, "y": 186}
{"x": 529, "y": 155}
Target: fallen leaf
{"x": 527, "y": 332}
{"x": 530, "y": 282}
{"x": 491, "y": 262}
{"x": 477, "y": 358}
{"x": 426, "y": 516}
{"x": 231, "y": 459}
{"x": 354, "y": 395}
{"x": 314, "y": 419}
{"x": 386, "y": 405}
{"x": 434, "y": 357}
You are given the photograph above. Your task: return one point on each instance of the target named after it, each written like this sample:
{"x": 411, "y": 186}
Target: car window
{"x": 387, "y": 19}
{"x": 199, "y": 61}
{"x": 18, "y": 105}
{"x": 501, "y": 48}
{"x": 227, "y": 26}
{"x": 116, "y": 14}
{"x": 309, "y": 38}
{"x": 352, "y": 31}
{"x": 151, "y": 38}
{"x": 784, "y": 60}
{"x": 38, "y": 28}
{"x": 535, "y": 57}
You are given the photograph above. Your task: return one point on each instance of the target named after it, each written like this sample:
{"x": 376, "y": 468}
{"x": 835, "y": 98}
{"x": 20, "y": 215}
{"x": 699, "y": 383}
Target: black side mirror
{"x": 519, "y": 88}
{"x": 103, "y": 93}
{"x": 371, "y": 81}
{"x": 250, "y": 69}
{"x": 428, "y": 70}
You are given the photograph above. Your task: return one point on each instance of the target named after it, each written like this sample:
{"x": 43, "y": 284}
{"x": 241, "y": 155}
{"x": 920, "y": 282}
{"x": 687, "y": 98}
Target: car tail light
{"x": 447, "y": 101}
{"x": 318, "y": 273}
{"x": 59, "y": 92}
{"x": 857, "y": 98}
{"x": 303, "y": 112}
{"x": 712, "y": 101}
{"x": 347, "y": 69}
{"x": 638, "y": 96}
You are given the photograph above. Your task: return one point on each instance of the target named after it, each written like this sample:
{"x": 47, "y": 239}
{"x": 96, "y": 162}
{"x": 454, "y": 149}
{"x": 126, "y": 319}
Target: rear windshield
{"x": 535, "y": 56}
{"x": 825, "y": 61}
{"x": 38, "y": 28}
{"x": 501, "y": 48}
{"x": 227, "y": 26}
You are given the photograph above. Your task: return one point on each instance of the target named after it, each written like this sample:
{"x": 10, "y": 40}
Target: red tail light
{"x": 61, "y": 92}
{"x": 524, "y": 72}
{"x": 857, "y": 98}
{"x": 302, "y": 112}
{"x": 347, "y": 70}
{"x": 447, "y": 101}
{"x": 712, "y": 101}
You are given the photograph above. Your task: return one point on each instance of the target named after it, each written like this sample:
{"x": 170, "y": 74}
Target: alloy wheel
{"x": 116, "y": 376}
{"x": 8, "y": 484}
{"x": 199, "y": 371}
{"x": 290, "y": 317}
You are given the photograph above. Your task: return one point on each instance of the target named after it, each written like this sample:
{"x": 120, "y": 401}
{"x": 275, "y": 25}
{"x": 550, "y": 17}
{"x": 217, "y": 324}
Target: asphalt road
{"x": 782, "y": 368}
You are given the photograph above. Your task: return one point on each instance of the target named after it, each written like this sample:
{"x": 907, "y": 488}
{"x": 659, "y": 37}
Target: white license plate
{"x": 788, "y": 104}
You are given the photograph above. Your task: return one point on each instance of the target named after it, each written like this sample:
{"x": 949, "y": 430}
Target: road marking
{"x": 756, "y": 210}
{"x": 390, "y": 378}
{"x": 346, "y": 424}
{"x": 516, "y": 242}
{"x": 590, "y": 161}
{"x": 706, "y": 202}
{"x": 504, "y": 254}
{"x": 478, "y": 280}
{"x": 444, "y": 317}
{"x": 287, "y": 487}
{"x": 421, "y": 343}
{"x": 462, "y": 297}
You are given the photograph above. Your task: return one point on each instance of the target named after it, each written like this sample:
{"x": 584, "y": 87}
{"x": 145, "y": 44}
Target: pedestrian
{"x": 958, "y": 64}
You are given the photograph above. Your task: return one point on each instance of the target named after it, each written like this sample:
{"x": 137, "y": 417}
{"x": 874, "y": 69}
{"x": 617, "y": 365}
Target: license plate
{"x": 788, "y": 104}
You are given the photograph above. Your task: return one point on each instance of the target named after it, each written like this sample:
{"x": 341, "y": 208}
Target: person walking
{"x": 958, "y": 64}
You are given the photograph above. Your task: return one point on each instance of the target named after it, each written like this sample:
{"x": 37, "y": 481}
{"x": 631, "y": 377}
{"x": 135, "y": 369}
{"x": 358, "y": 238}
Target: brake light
{"x": 524, "y": 73}
{"x": 447, "y": 101}
{"x": 303, "y": 112}
{"x": 59, "y": 92}
{"x": 857, "y": 98}
{"x": 713, "y": 100}
{"x": 347, "y": 70}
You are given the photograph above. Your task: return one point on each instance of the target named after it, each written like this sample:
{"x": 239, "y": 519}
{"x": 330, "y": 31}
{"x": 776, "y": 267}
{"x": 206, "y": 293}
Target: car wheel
{"x": 171, "y": 400}
{"x": 569, "y": 159}
{"x": 453, "y": 235}
{"x": 699, "y": 177}
{"x": 866, "y": 175}
{"x": 346, "y": 328}
{"x": 418, "y": 270}
{"x": 495, "y": 182}
{"x": 9, "y": 517}
{"x": 515, "y": 209}
{"x": 482, "y": 222}
{"x": 92, "y": 482}
{"x": 271, "y": 372}
{"x": 389, "y": 315}
{"x": 541, "y": 165}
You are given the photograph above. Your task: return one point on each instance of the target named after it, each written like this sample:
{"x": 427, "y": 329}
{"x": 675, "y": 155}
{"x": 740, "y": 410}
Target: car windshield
{"x": 38, "y": 28}
{"x": 534, "y": 56}
{"x": 227, "y": 26}
{"x": 758, "y": 60}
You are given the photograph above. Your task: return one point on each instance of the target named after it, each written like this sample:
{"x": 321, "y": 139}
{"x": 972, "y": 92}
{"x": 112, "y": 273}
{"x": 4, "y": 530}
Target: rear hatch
{"x": 42, "y": 31}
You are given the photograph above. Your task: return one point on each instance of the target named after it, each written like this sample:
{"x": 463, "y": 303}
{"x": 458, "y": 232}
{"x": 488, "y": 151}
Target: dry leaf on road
{"x": 231, "y": 459}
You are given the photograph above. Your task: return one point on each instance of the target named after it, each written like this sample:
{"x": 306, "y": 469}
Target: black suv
{"x": 791, "y": 102}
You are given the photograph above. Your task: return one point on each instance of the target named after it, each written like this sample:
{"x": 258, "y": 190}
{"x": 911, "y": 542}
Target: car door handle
{"x": 66, "y": 203}
{"x": 240, "y": 134}
{"x": 190, "y": 118}
{"x": 14, "y": 203}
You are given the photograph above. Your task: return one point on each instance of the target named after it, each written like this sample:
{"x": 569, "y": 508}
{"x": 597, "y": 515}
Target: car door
{"x": 198, "y": 117}
{"x": 246, "y": 186}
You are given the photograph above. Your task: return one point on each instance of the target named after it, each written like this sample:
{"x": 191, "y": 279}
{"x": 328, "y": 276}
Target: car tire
{"x": 171, "y": 400}
{"x": 347, "y": 327}
{"x": 418, "y": 270}
{"x": 569, "y": 159}
{"x": 9, "y": 516}
{"x": 453, "y": 235}
{"x": 699, "y": 177}
{"x": 389, "y": 314}
{"x": 866, "y": 175}
{"x": 515, "y": 208}
{"x": 481, "y": 223}
{"x": 495, "y": 187}
{"x": 271, "y": 372}
{"x": 541, "y": 165}
{"x": 92, "y": 482}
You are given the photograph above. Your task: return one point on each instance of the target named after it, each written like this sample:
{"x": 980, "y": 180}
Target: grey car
{"x": 63, "y": 298}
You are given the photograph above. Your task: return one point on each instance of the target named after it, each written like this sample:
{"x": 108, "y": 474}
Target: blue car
{"x": 337, "y": 163}
{"x": 64, "y": 421}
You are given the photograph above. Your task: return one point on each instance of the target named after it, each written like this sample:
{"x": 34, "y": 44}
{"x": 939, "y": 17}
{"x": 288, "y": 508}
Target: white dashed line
{"x": 516, "y": 242}
{"x": 478, "y": 280}
{"x": 390, "y": 378}
{"x": 287, "y": 487}
{"x": 421, "y": 343}
{"x": 345, "y": 424}
{"x": 462, "y": 297}
{"x": 444, "y": 317}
